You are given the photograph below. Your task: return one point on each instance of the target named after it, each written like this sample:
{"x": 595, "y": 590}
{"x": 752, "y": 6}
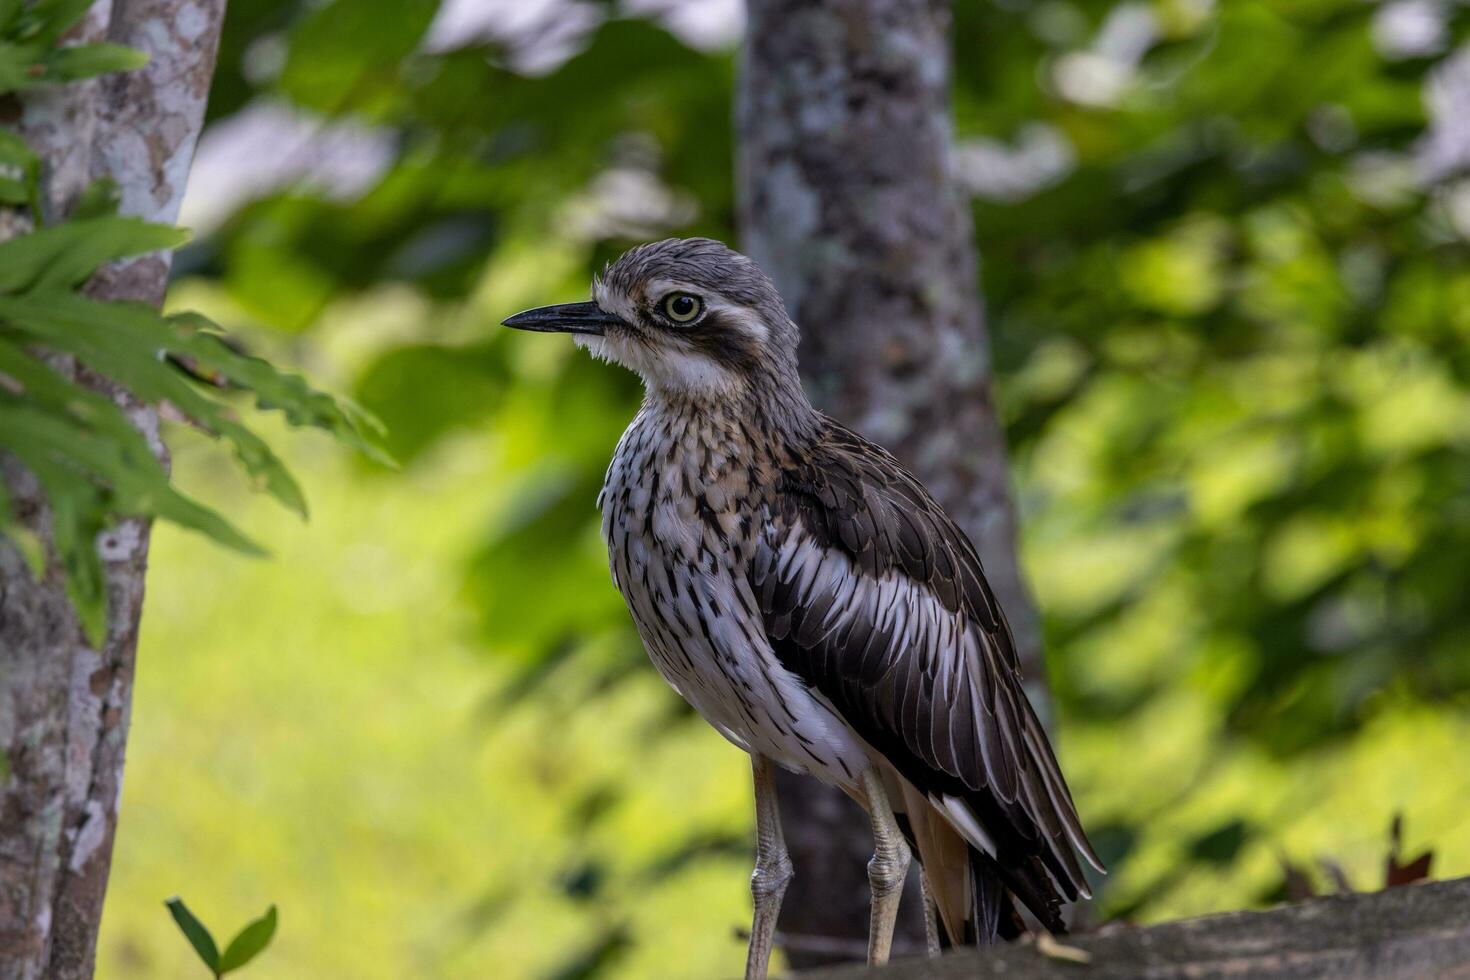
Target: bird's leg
{"x": 773, "y": 870}
{"x": 931, "y": 921}
{"x": 887, "y": 869}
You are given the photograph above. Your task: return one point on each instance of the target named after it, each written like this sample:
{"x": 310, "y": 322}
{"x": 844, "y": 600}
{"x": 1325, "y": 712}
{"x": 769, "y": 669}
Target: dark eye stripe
{"x": 724, "y": 343}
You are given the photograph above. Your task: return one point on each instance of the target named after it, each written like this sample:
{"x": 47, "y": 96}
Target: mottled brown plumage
{"x": 813, "y": 602}
{"x": 949, "y": 729}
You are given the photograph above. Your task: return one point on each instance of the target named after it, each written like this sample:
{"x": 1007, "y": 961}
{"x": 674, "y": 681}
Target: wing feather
{"x": 873, "y": 596}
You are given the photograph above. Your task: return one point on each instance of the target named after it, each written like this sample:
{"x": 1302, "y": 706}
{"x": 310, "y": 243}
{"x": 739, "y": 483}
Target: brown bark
{"x": 848, "y": 201}
{"x": 64, "y": 706}
{"x": 1405, "y": 933}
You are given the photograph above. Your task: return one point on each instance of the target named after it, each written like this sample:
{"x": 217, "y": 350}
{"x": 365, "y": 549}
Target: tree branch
{"x": 1409, "y": 932}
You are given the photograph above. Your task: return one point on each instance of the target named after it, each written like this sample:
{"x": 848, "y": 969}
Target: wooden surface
{"x": 1417, "y": 931}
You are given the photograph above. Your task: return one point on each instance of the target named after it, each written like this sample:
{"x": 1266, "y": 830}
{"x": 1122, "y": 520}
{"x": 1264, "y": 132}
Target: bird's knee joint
{"x": 772, "y": 879}
{"x": 888, "y": 868}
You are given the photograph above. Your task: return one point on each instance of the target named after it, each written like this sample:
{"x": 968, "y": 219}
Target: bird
{"x": 813, "y": 602}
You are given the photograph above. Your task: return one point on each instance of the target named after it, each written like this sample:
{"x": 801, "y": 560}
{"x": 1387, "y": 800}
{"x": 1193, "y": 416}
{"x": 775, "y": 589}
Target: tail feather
{"x": 974, "y": 903}
{"x": 994, "y": 918}
{"x": 976, "y": 897}
{"x": 945, "y": 858}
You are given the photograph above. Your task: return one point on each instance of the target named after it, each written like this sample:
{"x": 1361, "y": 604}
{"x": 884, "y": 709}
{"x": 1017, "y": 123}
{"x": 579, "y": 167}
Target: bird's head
{"x": 691, "y": 316}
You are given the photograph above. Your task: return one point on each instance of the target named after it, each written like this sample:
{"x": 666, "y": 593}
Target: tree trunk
{"x": 847, "y": 200}
{"x": 64, "y": 705}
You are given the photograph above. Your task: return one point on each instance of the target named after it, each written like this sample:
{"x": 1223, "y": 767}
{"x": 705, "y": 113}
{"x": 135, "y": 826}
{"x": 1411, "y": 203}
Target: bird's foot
{"x": 1052, "y": 948}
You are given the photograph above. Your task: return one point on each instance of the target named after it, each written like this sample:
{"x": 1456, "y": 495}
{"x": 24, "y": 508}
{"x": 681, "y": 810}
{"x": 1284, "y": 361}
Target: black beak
{"x": 566, "y": 318}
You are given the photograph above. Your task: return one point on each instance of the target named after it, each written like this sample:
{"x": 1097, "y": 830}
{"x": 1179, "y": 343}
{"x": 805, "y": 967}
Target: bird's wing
{"x": 874, "y": 597}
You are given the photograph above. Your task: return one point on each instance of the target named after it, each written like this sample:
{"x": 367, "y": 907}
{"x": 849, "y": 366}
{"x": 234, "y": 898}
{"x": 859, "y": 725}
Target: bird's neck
{"x": 767, "y": 418}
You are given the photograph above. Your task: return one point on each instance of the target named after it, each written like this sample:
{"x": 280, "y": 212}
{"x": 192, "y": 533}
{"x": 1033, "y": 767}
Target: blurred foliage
{"x": 1228, "y": 312}
{"x": 31, "y": 53}
{"x": 1246, "y": 373}
{"x": 93, "y": 462}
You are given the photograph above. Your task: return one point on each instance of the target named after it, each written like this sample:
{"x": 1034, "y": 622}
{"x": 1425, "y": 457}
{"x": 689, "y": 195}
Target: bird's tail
{"x": 975, "y": 907}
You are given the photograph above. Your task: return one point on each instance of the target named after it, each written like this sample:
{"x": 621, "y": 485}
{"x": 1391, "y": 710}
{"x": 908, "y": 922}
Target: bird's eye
{"x": 681, "y": 307}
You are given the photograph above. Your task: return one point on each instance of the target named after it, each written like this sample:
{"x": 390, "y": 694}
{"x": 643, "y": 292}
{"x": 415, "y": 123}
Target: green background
{"x": 1230, "y": 320}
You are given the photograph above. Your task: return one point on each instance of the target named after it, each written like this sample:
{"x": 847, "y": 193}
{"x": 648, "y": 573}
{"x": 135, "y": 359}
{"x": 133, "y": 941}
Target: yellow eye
{"x": 681, "y": 307}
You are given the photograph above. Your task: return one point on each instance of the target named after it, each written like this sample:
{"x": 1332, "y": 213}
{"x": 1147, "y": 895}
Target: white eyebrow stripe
{"x": 657, "y": 289}
{"x": 748, "y": 320}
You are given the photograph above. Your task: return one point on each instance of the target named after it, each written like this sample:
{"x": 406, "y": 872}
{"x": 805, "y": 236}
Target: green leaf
{"x": 47, "y": 20}
{"x": 129, "y": 486}
{"x": 423, "y": 391}
{"x": 77, "y": 505}
{"x": 13, "y": 191}
{"x": 16, "y": 64}
{"x": 122, "y": 340}
{"x": 29, "y": 55}
{"x": 30, "y": 546}
{"x": 250, "y": 942}
{"x": 347, "y": 53}
{"x": 195, "y": 932}
{"x": 76, "y": 520}
{"x": 46, "y": 389}
{"x": 9, "y": 11}
{"x": 63, "y": 424}
{"x": 274, "y": 389}
{"x": 1221, "y": 845}
{"x": 15, "y": 152}
{"x": 65, "y": 255}
{"x": 88, "y": 60}
{"x": 99, "y": 199}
